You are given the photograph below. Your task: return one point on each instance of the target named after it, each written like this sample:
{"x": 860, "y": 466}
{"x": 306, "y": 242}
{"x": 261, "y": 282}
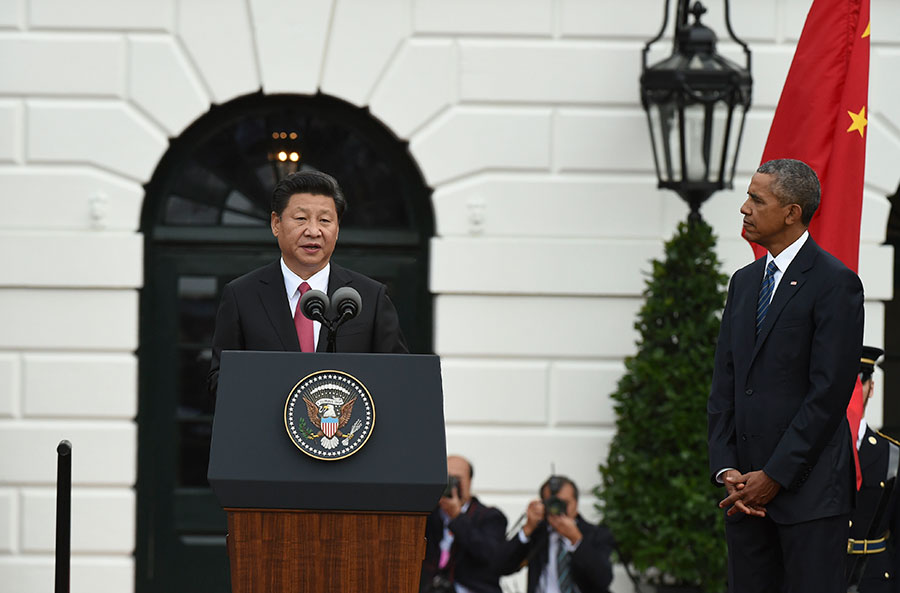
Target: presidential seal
{"x": 329, "y": 415}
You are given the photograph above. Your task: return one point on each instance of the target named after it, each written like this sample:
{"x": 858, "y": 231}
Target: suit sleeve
{"x": 512, "y": 554}
{"x": 387, "y": 337}
{"x": 720, "y": 407}
{"x": 481, "y": 535}
{"x": 591, "y": 566}
{"x": 833, "y": 364}
{"x": 227, "y": 336}
{"x": 893, "y": 546}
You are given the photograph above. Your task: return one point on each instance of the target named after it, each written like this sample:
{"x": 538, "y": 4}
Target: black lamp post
{"x": 696, "y": 101}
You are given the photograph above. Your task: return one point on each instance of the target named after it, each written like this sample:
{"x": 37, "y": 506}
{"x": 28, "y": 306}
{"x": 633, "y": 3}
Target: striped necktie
{"x": 765, "y": 295}
{"x": 564, "y": 568}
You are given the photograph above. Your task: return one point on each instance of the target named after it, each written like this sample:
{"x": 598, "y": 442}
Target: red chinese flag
{"x": 821, "y": 120}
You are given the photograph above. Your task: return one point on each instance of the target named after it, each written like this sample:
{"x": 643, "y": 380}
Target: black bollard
{"x": 63, "y": 515}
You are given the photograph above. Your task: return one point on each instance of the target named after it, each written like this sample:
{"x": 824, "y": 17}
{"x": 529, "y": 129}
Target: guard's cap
{"x": 870, "y": 355}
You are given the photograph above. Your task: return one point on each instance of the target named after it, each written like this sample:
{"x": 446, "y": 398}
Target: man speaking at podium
{"x": 260, "y": 310}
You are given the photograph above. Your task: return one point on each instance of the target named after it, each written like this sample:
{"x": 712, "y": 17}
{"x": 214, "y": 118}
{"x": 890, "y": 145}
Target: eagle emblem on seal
{"x": 330, "y": 414}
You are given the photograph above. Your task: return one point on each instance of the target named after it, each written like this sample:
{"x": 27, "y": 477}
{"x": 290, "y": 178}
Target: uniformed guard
{"x": 872, "y": 559}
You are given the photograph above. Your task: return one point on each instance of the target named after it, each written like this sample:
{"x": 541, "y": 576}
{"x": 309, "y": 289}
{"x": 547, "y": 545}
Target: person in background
{"x": 563, "y": 552}
{"x": 872, "y": 555}
{"x": 463, "y": 537}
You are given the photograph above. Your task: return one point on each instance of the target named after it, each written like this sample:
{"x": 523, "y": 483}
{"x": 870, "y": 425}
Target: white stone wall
{"x": 523, "y": 116}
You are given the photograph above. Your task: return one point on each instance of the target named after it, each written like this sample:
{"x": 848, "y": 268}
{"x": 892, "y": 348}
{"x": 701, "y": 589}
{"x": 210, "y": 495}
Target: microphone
{"x": 313, "y": 305}
{"x": 345, "y": 305}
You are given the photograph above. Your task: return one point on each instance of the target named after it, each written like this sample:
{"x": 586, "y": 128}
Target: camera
{"x": 552, "y": 504}
{"x": 452, "y": 484}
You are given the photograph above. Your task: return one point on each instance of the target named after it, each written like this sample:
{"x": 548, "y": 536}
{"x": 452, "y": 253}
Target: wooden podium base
{"x": 287, "y": 551}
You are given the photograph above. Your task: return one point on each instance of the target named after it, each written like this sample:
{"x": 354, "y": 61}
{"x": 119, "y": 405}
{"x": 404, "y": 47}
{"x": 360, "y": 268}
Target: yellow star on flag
{"x": 868, "y": 30}
{"x": 859, "y": 121}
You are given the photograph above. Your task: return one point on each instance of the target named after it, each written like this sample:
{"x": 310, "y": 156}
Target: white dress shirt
{"x": 292, "y": 282}
{"x": 549, "y": 581}
{"x": 784, "y": 259}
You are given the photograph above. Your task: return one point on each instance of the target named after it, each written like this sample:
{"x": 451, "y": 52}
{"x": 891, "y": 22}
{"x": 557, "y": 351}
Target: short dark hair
{"x": 794, "y": 183}
{"x": 562, "y": 481}
{"x": 308, "y": 182}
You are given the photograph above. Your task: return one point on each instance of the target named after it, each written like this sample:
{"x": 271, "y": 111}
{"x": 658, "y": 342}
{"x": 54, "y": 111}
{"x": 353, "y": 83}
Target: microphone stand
{"x": 333, "y": 327}
{"x": 332, "y": 335}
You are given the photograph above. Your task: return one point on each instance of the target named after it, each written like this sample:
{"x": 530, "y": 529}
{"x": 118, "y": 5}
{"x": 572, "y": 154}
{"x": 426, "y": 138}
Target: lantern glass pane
{"x": 664, "y": 133}
{"x": 719, "y": 132}
{"x": 734, "y": 139}
{"x": 696, "y": 142}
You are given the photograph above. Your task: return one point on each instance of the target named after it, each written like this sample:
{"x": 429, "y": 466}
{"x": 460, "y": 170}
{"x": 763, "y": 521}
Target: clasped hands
{"x": 748, "y": 493}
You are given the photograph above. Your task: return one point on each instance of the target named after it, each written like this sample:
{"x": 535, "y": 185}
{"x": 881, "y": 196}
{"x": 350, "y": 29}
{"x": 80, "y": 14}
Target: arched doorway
{"x": 206, "y": 221}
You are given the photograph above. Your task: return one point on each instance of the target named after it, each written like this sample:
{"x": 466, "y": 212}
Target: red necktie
{"x": 304, "y": 325}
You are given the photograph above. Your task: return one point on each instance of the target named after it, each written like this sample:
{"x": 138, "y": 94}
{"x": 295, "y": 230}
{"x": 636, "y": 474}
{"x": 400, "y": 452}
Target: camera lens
{"x": 554, "y": 506}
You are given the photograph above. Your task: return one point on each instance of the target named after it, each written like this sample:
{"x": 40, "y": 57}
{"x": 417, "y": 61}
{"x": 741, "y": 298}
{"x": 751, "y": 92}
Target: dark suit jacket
{"x": 591, "y": 567}
{"x": 881, "y": 569}
{"x": 254, "y": 314}
{"x": 778, "y": 401}
{"x": 477, "y": 535}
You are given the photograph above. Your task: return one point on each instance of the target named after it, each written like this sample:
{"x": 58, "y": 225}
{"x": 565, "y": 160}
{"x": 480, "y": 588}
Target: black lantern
{"x": 696, "y": 101}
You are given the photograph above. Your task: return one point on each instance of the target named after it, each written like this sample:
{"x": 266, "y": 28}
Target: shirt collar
{"x": 784, "y": 259}
{"x": 863, "y": 425}
{"x": 318, "y": 281}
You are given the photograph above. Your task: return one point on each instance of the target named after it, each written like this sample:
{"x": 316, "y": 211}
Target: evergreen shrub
{"x": 655, "y": 493}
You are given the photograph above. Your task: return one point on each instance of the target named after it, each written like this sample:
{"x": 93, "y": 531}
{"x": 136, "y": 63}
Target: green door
{"x": 185, "y": 550}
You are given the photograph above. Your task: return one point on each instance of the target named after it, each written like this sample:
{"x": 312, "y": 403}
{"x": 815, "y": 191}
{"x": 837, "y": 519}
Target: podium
{"x": 298, "y": 523}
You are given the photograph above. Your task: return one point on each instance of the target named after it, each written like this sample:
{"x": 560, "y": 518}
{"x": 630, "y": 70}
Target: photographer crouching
{"x": 564, "y": 553}
{"x": 463, "y": 538}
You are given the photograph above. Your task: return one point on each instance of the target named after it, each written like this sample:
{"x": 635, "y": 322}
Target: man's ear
{"x": 275, "y": 222}
{"x": 794, "y": 214}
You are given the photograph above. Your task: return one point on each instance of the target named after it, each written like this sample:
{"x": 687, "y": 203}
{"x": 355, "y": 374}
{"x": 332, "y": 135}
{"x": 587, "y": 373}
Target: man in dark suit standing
{"x": 786, "y": 361}
{"x": 259, "y": 310}
{"x": 872, "y": 553}
{"x": 564, "y": 553}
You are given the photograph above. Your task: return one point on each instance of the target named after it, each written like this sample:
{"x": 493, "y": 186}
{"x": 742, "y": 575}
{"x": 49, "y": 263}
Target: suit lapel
{"x": 745, "y": 327}
{"x": 275, "y": 304}
{"x": 745, "y": 295}
{"x": 791, "y": 282}
{"x": 337, "y": 277}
